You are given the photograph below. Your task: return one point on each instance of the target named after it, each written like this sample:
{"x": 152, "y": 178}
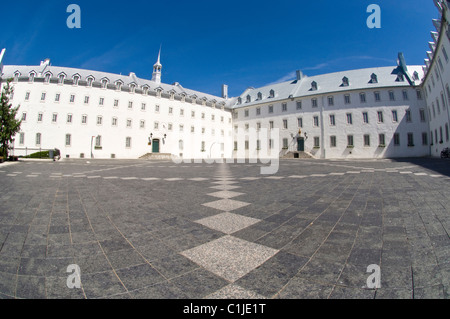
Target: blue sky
{"x": 207, "y": 43}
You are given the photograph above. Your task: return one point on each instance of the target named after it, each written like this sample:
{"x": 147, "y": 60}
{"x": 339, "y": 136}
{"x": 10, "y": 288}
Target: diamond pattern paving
{"x": 226, "y": 205}
{"x": 230, "y": 257}
{"x": 228, "y": 223}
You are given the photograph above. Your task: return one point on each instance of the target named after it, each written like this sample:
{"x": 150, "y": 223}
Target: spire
{"x": 2, "y": 54}
{"x": 156, "y": 76}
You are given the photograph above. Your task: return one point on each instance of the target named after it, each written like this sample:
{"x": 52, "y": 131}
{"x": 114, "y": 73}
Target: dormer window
{"x": 48, "y": 75}
{"x": 272, "y": 94}
{"x": 158, "y": 92}
{"x": 119, "y": 85}
{"x": 132, "y": 88}
{"x": 32, "y": 76}
{"x": 61, "y": 78}
{"x": 260, "y": 96}
{"x": 183, "y": 97}
{"x": 249, "y": 98}
{"x": 16, "y": 76}
{"x": 90, "y": 80}
{"x": 204, "y": 101}
{"x": 314, "y": 86}
{"x": 416, "y": 76}
{"x": 145, "y": 89}
{"x": 400, "y": 77}
{"x": 345, "y": 81}
{"x": 172, "y": 95}
{"x": 76, "y": 79}
{"x": 104, "y": 83}
{"x": 239, "y": 101}
{"x": 373, "y": 78}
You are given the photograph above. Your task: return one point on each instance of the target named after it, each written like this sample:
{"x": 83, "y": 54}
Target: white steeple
{"x": 2, "y": 54}
{"x": 156, "y": 76}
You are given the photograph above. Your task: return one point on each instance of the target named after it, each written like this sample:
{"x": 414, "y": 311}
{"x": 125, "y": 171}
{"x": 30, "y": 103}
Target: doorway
{"x": 300, "y": 144}
{"x": 155, "y": 147}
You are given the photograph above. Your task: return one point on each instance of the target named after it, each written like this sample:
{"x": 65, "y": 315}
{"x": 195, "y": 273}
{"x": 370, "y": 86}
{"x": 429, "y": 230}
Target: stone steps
{"x": 300, "y": 155}
{"x": 156, "y": 156}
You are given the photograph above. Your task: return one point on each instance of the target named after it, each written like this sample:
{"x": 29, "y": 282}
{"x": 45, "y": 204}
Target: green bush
{"x": 43, "y": 154}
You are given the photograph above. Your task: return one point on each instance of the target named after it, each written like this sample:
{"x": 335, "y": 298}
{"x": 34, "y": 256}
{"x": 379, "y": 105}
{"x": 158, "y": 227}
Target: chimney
{"x": 225, "y": 91}
{"x": 299, "y": 75}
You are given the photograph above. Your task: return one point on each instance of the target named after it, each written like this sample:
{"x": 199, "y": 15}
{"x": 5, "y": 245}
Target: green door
{"x": 301, "y": 144}
{"x": 155, "y": 148}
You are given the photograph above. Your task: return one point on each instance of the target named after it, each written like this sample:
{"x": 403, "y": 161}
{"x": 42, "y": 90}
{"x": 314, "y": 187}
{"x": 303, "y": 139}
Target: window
{"x": 27, "y": 96}
{"x": 405, "y": 95}
{"x": 38, "y": 138}
{"x": 314, "y": 102}
{"x": 347, "y": 99}
{"x": 258, "y": 126}
{"x": 99, "y": 120}
{"x": 247, "y": 126}
{"x": 408, "y": 116}
{"x": 69, "y": 118}
{"x": 181, "y": 128}
{"x": 284, "y": 107}
{"x": 422, "y": 115}
{"x": 181, "y": 145}
{"x": 444, "y": 52}
{"x": 40, "y": 116}
{"x": 83, "y": 119}
{"x": 24, "y": 117}
{"x": 98, "y": 141}
{"x": 57, "y": 97}
{"x": 350, "y": 141}
{"x": 394, "y": 116}
{"x": 75, "y": 80}
{"x": 192, "y": 114}
{"x": 114, "y": 121}
{"x": 143, "y": 106}
{"x": 21, "y": 138}
{"x": 54, "y": 117}
{"x": 380, "y": 117}
{"x": 270, "y": 108}
{"x": 424, "y": 138}
{"x": 316, "y": 142}
{"x": 61, "y": 78}
{"x": 349, "y": 118}
{"x": 377, "y": 96}
{"x": 285, "y": 143}
{"x": 365, "y": 117}
{"x": 333, "y": 141}
{"x": 104, "y": 83}
{"x": 330, "y": 101}
{"x": 419, "y": 94}
{"x": 396, "y": 139}
{"x": 410, "y": 139}
{"x": 272, "y": 94}
{"x": 391, "y": 96}
{"x": 381, "y": 140}
{"x": 366, "y": 140}
{"x": 142, "y": 124}
{"x": 43, "y": 96}
{"x": 181, "y": 112}
{"x": 285, "y": 124}
{"x": 86, "y": 100}
{"x": 299, "y": 105}
{"x": 130, "y": 105}
{"x": 362, "y": 97}
{"x": 32, "y": 76}
{"x": 101, "y": 101}
{"x": 72, "y": 98}
{"x": 116, "y": 103}
{"x": 271, "y": 125}
{"x": 47, "y": 77}
{"x": 447, "y": 137}
{"x": 300, "y": 122}
{"x": 128, "y": 142}
{"x": 332, "y": 120}
{"x": 316, "y": 121}
{"x": 156, "y": 125}
{"x": 258, "y": 111}
{"x": 68, "y": 139}
{"x": 314, "y": 86}
{"x": 129, "y": 122}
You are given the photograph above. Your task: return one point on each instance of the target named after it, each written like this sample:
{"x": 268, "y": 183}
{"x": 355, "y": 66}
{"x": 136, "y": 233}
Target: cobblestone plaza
{"x": 156, "y": 229}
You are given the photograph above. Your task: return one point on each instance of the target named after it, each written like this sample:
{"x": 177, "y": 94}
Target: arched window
{"x": 313, "y": 86}
{"x": 48, "y": 75}
{"x": 249, "y": 98}
{"x": 32, "y": 76}
{"x": 90, "y": 80}
{"x": 272, "y": 93}
{"x": 76, "y": 79}
{"x": 373, "y": 78}
{"x": 61, "y": 78}
{"x": 345, "y": 81}
{"x": 16, "y": 76}
{"x": 104, "y": 83}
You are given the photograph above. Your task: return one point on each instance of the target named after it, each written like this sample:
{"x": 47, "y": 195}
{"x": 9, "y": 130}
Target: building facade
{"x": 386, "y": 112}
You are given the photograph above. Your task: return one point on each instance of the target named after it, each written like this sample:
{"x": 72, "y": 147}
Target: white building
{"x": 386, "y": 112}
{"x": 437, "y": 80}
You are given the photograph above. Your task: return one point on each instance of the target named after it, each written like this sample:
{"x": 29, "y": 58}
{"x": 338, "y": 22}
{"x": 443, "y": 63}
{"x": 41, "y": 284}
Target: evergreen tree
{"x": 9, "y": 124}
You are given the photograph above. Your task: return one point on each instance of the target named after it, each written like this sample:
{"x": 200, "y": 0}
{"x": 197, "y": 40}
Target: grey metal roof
{"x": 330, "y": 83}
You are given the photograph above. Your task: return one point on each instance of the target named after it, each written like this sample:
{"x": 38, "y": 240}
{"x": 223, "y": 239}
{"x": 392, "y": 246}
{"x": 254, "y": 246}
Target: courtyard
{"x": 155, "y": 229}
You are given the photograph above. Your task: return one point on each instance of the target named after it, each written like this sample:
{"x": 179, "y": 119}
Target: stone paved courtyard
{"x": 147, "y": 229}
